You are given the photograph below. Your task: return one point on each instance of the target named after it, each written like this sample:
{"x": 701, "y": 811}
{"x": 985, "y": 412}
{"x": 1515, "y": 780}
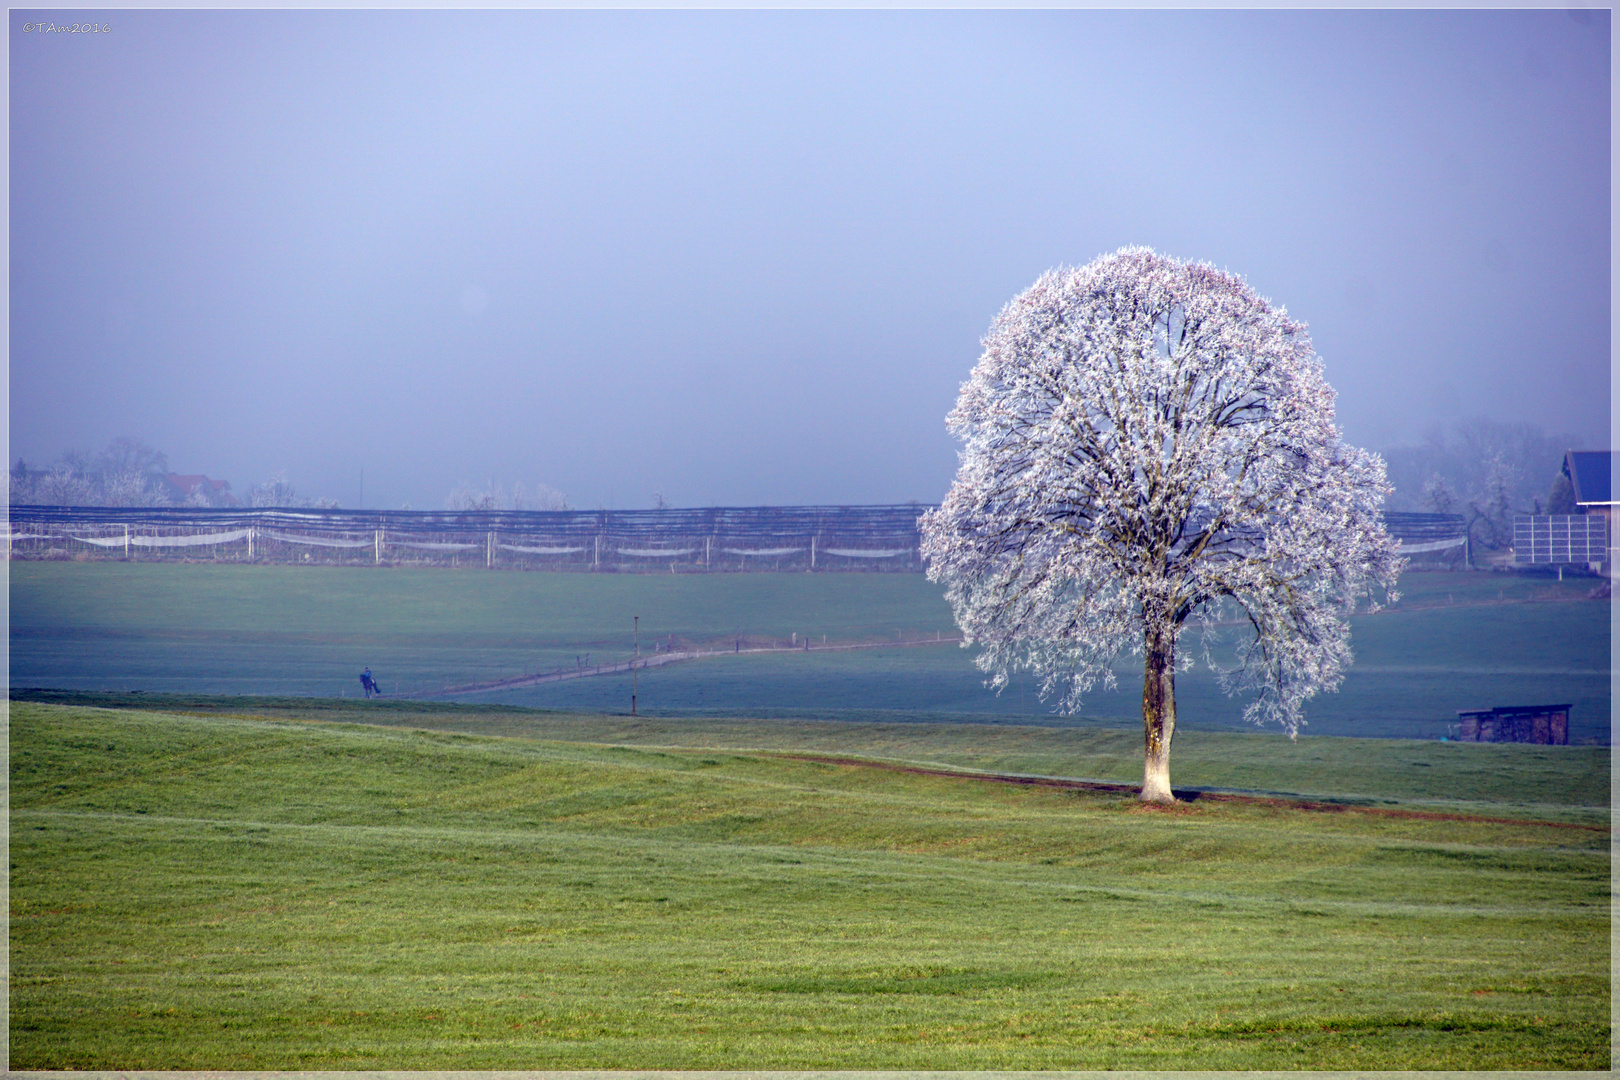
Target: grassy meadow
{"x": 208, "y": 883}
{"x": 222, "y": 859}
{"x": 1455, "y": 641}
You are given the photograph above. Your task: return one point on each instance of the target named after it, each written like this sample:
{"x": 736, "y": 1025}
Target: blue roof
{"x": 1588, "y": 472}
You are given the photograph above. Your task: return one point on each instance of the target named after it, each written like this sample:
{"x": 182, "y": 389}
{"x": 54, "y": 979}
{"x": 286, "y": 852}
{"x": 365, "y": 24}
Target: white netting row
{"x": 1432, "y": 545}
{"x": 194, "y": 540}
{"x": 231, "y": 536}
{"x": 320, "y": 541}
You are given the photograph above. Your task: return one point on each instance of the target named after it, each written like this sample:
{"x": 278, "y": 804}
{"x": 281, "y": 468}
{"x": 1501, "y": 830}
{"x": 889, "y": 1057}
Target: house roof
{"x": 188, "y": 484}
{"x": 185, "y": 485}
{"x": 1588, "y": 472}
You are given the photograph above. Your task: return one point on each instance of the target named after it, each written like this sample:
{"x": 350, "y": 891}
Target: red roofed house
{"x": 183, "y": 488}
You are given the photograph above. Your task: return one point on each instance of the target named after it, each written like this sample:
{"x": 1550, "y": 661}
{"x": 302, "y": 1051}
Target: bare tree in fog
{"x": 1486, "y": 470}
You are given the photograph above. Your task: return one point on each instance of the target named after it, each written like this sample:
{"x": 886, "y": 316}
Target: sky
{"x": 746, "y": 257}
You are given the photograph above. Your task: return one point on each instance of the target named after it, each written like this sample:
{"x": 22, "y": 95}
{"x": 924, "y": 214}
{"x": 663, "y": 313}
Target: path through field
{"x": 658, "y": 660}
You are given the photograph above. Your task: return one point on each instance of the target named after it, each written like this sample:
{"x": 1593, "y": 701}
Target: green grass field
{"x": 265, "y": 884}
{"x": 220, "y": 862}
{"x": 1457, "y": 641}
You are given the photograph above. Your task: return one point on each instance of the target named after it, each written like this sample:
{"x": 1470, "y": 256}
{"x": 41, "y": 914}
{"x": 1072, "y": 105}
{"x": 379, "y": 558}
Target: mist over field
{"x": 618, "y": 258}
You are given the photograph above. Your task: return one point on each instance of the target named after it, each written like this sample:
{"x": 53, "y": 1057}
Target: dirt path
{"x": 657, "y": 660}
{"x": 662, "y": 659}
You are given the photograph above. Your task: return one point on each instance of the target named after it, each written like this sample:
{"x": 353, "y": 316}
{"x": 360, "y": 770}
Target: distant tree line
{"x": 1485, "y": 470}
{"x": 128, "y": 472}
{"x": 519, "y": 496}
{"x": 1488, "y": 472}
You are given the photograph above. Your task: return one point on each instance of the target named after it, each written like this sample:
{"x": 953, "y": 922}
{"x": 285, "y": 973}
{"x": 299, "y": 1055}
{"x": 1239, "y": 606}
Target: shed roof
{"x": 1588, "y": 472}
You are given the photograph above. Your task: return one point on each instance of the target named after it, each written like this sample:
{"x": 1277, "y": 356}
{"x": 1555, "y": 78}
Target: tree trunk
{"x": 1158, "y": 714}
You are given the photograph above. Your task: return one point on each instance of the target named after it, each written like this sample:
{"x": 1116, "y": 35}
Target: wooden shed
{"x": 1545, "y": 724}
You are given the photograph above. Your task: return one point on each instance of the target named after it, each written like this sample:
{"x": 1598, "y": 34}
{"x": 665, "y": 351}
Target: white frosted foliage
{"x": 1149, "y": 443}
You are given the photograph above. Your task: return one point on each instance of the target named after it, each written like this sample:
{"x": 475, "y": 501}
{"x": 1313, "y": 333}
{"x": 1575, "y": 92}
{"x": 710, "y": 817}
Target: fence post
{"x": 126, "y": 540}
{"x": 377, "y": 539}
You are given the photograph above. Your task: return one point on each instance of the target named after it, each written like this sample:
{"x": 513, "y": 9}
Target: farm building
{"x": 1584, "y": 538}
{"x": 1588, "y": 473}
{"x": 183, "y": 488}
{"x": 1544, "y": 724}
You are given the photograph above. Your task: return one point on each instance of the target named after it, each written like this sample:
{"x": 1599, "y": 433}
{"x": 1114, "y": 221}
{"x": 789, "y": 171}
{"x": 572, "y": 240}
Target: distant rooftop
{"x": 1588, "y": 472}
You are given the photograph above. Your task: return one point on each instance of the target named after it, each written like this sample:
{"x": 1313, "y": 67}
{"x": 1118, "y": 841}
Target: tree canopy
{"x": 1147, "y": 443}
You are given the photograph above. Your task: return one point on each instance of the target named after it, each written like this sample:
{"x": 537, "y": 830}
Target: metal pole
{"x": 633, "y": 666}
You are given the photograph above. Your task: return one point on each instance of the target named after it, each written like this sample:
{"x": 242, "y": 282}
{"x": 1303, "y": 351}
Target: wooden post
{"x": 489, "y": 550}
{"x": 126, "y": 540}
{"x": 377, "y": 537}
{"x": 812, "y": 552}
{"x": 633, "y": 662}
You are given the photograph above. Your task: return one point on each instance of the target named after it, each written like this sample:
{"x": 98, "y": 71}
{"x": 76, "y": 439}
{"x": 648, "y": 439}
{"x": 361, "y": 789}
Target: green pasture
{"x": 265, "y": 884}
{"x": 1547, "y": 782}
{"x": 1455, "y": 641}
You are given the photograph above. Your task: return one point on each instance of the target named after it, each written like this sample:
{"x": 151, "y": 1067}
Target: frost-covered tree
{"x": 1491, "y": 511}
{"x": 127, "y": 472}
{"x": 129, "y": 487}
{"x": 61, "y": 485}
{"x": 465, "y": 496}
{"x": 274, "y": 491}
{"x": 278, "y": 491}
{"x": 538, "y": 497}
{"x": 1148, "y": 443}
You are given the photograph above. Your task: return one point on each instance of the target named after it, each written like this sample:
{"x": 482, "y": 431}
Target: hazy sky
{"x": 743, "y": 257}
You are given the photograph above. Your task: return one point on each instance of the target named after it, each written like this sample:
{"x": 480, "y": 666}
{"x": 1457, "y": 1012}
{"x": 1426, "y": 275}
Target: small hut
{"x": 1544, "y": 724}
